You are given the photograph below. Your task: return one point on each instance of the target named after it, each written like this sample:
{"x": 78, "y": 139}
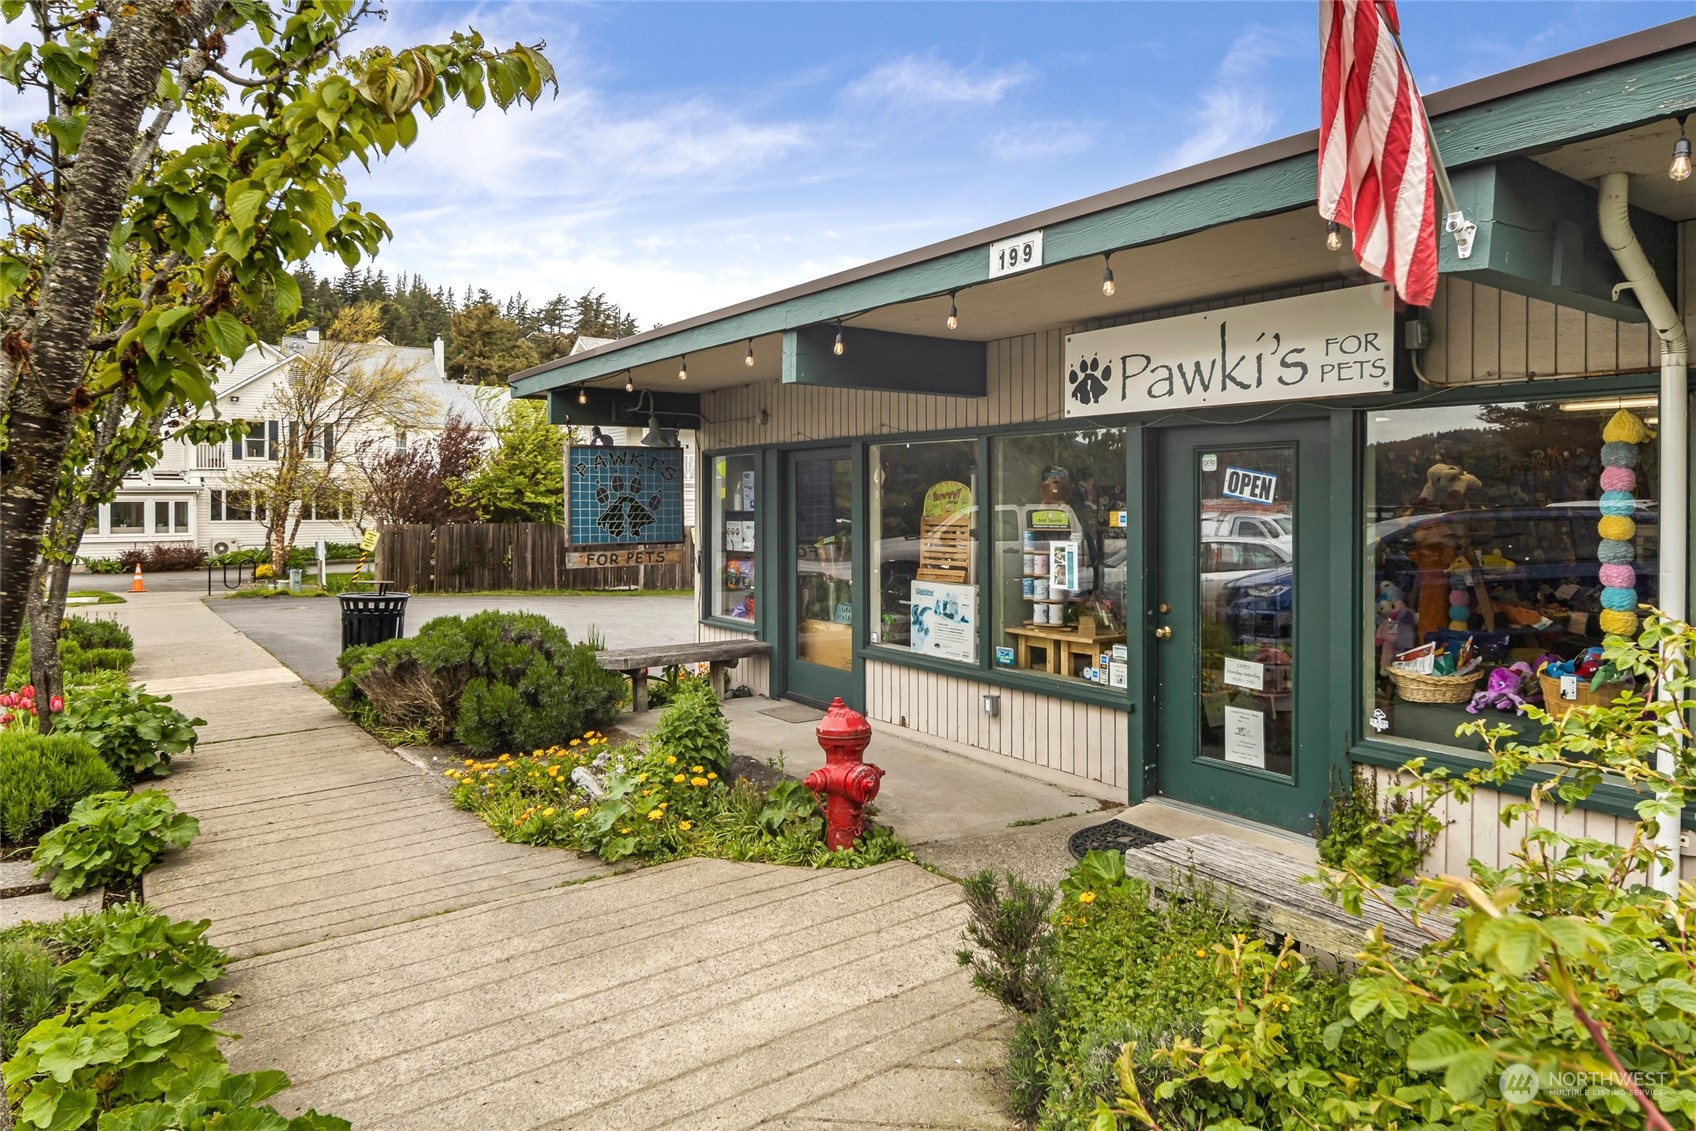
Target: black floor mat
{"x": 1114, "y": 836}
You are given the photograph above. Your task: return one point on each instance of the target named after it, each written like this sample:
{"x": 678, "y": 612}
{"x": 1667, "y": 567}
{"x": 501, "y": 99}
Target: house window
{"x": 253, "y": 445}
{"x": 236, "y": 506}
{"x": 400, "y": 439}
{"x": 1059, "y": 565}
{"x": 735, "y": 479}
{"x": 1498, "y": 538}
{"x": 129, "y": 516}
{"x": 924, "y": 548}
{"x": 170, "y": 516}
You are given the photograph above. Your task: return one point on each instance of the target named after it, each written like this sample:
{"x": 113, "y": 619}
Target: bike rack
{"x": 226, "y": 578}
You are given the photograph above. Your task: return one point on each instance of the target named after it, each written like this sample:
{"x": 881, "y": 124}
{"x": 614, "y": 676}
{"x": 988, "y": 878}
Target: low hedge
{"x": 42, "y": 777}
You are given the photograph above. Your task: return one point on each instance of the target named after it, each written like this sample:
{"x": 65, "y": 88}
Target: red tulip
{"x": 7, "y": 700}
{"x": 28, "y": 691}
{"x": 6, "y": 719}
{"x": 57, "y": 703}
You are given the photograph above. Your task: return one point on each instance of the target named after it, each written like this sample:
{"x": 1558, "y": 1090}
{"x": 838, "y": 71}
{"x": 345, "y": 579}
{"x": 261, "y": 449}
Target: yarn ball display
{"x": 1616, "y": 528}
{"x": 1619, "y": 479}
{"x": 1611, "y": 552}
{"x": 1617, "y": 576}
{"x": 1617, "y": 623}
{"x": 1459, "y": 597}
{"x": 1625, "y": 427}
{"x": 1618, "y": 502}
{"x": 1459, "y": 613}
{"x": 1621, "y": 600}
{"x": 1619, "y": 454}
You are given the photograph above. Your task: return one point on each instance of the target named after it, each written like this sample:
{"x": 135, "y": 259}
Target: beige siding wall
{"x": 1475, "y": 830}
{"x": 752, "y": 671}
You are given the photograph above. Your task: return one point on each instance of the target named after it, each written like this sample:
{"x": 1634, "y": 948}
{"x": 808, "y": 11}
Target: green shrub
{"x": 111, "y": 838}
{"x": 98, "y": 678}
{"x": 694, "y": 728}
{"x": 136, "y": 1067}
{"x": 129, "y": 949}
{"x": 42, "y": 777}
{"x": 91, "y": 633}
{"x": 136, "y": 733}
{"x": 28, "y": 990}
{"x": 493, "y": 681}
{"x": 102, "y": 565}
{"x": 1013, "y": 959}
{"x": 1355, "y": 829}
{"x": 75, "y": 658}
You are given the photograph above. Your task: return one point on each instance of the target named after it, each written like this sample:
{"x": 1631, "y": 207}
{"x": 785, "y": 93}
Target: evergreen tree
{"x": 484, "y": 348}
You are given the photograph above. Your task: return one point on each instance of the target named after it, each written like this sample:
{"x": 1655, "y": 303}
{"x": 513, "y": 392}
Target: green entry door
{"x": 819, "y": 622}
{"x": 1242, "y": 659}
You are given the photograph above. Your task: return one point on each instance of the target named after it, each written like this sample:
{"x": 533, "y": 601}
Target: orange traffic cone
{"x": 136, "y": 586}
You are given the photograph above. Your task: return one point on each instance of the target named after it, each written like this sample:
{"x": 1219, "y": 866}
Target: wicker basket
{"x": 1604, "y": 697}
{"x": 1417, "y": 688}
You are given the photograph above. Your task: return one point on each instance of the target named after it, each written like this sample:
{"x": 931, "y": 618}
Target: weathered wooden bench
{"x": 1267, "y": 886}
{"x": 720, "y": 655}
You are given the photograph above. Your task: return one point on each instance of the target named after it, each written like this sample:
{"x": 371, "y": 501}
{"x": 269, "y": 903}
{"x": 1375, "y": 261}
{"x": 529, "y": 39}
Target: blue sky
{"x": 703, "y": 153}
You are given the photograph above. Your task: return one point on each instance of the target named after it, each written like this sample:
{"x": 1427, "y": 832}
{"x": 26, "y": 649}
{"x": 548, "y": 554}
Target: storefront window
{"x": 731, "y": 581}
{"x": 924, "y": 548}
{"x": 1503, "y": 542}
{"x": 1059, "y": 560}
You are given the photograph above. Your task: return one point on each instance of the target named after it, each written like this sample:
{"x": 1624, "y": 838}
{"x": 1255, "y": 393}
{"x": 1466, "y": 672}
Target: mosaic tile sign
{"x": 624, "y": 496}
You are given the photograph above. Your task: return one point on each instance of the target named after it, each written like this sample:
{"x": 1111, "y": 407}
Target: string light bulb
{"x": 749, "y": 360}
{"x": 629, "y": 383}
{"x": 1108, "y": 286}
{"x": 683, "y": 368}
{"x": 1333, "y": 236}
{"x": 953, "y": 313}
{"x": 582, "y": 396}
{"x": 838, "y": 348}
{"x": 1680, "y": 170}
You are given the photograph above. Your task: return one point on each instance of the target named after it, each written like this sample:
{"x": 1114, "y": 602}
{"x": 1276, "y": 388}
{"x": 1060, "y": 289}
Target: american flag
{"x": 1375, "y": 158}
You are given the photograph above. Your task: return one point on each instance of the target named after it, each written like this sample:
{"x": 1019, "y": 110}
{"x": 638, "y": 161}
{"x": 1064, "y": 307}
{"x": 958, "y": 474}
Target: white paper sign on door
{"x": 1245, "y": 673}
{"x": 1245, "y": 737}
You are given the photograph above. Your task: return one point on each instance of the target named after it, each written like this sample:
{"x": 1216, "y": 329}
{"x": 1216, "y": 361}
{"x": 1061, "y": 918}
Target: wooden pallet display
{"x": 945, "y": 534}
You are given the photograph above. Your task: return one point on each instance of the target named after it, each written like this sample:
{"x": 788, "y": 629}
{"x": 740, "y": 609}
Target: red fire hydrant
{"x": 846, "y": 780}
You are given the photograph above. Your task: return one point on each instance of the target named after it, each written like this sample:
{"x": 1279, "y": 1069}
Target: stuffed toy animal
{"x": 1445, "y": 487}
{"x": 1502, "y": 690}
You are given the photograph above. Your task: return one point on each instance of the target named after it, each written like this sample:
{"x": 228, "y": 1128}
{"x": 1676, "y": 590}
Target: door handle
{"x": 1164, "y": 632}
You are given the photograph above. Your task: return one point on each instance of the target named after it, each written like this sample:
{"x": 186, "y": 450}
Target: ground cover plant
{"x": 136, "y": 733}
{"x": 491, "y": 682}
{"x": 111, "y": 839}
{"x": 664, "y": 800}
{"x": 42, "y": 777}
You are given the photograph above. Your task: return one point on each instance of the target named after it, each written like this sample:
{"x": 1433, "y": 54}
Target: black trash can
{"x": 371, "y": 619}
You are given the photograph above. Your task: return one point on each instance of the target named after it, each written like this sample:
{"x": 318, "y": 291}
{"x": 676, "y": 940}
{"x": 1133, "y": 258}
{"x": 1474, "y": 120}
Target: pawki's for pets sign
{"x": 624, "y": 496}
{"x": 1333, "y": 344}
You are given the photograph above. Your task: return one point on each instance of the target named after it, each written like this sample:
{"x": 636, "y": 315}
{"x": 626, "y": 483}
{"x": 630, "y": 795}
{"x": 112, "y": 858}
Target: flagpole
{"x": 1454, "y": 220}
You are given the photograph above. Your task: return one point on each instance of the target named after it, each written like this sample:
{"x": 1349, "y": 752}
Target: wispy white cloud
{"x": 1236, "y": 111}
{"x": 1035, "y": 141}
{"x": 927, "y": 80}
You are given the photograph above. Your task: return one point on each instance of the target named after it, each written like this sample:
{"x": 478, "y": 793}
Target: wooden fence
{"x": 472, "y": 556}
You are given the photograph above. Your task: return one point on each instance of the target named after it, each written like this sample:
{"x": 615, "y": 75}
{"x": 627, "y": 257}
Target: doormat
{"x": 794, "y": 713}
{"x": 1114, "y": 836}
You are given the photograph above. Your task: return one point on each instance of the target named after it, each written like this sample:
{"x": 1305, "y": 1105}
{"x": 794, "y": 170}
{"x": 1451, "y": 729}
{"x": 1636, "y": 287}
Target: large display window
{"x": 1503, "y": 543}
{"x": 730, "y": 583}
{"x": 924, "y": 548}
{"x": 1059, "y": 559}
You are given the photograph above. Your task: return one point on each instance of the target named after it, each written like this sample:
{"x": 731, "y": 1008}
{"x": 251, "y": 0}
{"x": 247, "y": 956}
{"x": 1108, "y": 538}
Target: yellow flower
{"x": 671, "y": 759}
{"x": 655, "y": 814}
{"x": 1086, "y": 897}
{"x": 471, "y": 761}
{"x": 1200, "y": 953}
{"x": 712, "y": 777}
{"x": 641, "y": 777}
{"x": 678, "y": 778}
{"x": 548, "y": 812}
{"x": 553, "y": 771}
{"x": 580, "y": 813}
{"x": 685, "y": 825}
{"x": 697, "y": 769}
{"x": 577, "y": 742}
{"x": 697, "y": 782}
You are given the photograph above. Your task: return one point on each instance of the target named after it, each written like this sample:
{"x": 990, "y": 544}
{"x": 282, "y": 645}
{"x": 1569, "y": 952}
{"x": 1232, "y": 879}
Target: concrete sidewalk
{"x": 409, "y": 970}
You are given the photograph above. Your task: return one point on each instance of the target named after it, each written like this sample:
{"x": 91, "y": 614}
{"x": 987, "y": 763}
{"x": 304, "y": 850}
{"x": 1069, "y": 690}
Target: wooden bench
{"x": 1267, "y": 886}
{"x": 720, "y": 655}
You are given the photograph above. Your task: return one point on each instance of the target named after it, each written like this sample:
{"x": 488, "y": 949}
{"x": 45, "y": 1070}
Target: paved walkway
{"x": 409, "y": 970}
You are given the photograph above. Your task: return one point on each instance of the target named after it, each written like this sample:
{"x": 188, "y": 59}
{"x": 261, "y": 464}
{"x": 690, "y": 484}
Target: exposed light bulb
{"x": 749, "y": 360}
{"x": 1108, "y": 286}
{"x": 1680, "y": 170}
{"x": 629, "y": 384}
{"x": 953, "y": 313}
{"x": 582, "y": 396}
{"x": 838, "y": 347}
{"x": 683, "y": 369}
{"x": 1333, "y": 236}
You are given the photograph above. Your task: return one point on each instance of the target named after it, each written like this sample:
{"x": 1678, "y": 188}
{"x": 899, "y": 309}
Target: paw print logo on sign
{"x": 1088, "y": 380}
{"x": 623, "y": 511}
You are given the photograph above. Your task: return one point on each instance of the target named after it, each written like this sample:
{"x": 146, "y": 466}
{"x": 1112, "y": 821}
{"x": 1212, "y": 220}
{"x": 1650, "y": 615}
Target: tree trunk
{"x": 39, "y": 412}
{"x": 46, "y": 614}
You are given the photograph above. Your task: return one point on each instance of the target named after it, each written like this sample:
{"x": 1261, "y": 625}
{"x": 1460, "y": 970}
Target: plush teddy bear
{"x": 1445, "y": 487}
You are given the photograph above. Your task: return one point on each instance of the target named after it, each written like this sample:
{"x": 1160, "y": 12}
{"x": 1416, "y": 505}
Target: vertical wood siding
{"x": 1479, "y": 333}
{"x": 753, "y": 672}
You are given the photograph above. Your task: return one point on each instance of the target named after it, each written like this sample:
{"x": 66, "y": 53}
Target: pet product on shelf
{"x": 1428, "y": 674}
{"x": 1568, "y": 683}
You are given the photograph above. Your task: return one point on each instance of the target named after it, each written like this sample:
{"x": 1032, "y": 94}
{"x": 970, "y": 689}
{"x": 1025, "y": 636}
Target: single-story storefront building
{"x": 1152, "y": 492}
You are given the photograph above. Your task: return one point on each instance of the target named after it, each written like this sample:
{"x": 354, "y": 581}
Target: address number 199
{"x": 1020, "y": 253}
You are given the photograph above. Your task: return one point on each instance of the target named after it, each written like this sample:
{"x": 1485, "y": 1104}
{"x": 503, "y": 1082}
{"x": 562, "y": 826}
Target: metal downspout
{"x": 1614, "y": 220}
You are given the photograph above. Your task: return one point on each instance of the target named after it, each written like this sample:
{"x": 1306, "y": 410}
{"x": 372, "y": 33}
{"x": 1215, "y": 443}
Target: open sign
{"x": 1255, "y": 486}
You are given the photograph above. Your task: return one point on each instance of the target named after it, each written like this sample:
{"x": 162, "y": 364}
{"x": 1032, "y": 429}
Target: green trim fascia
{"x": 1078, "y": 691}
{"x": 877, "y": 359}
{"x": 1602, "y": 102}
{"x": 1614, "y": 800}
